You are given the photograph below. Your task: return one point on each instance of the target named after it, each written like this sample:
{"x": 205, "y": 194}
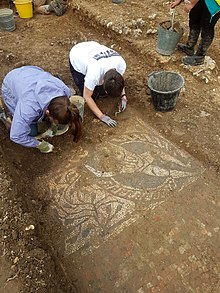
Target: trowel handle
{"x": 173, "y": 11}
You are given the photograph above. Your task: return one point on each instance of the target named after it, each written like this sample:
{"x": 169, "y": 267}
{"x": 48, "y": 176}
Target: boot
{"x": 58, "y": 6}
{"x": 199, "y": 57}
{"x": 193, "y": 60}
{"x": 188, "y": 48}
{"x": 6, "y": 120}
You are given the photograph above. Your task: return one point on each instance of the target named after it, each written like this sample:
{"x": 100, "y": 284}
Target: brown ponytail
{"x": 61, "y": 110}
{"x": 75, "y": 122}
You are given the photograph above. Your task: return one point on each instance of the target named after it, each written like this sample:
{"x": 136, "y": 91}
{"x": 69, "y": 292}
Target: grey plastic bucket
{"x": 167, "y": 39}
{"x": 7, "y": 22}
{"x": 165, "y": 87}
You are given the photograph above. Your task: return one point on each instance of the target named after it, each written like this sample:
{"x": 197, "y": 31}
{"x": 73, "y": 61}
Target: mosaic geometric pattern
{"x": 115, "y": 181}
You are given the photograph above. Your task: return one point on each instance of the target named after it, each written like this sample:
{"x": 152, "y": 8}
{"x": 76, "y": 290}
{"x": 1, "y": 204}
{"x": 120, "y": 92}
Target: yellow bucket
{"x": 24, "y": 8}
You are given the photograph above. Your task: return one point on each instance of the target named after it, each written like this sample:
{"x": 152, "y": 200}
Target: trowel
{"x": 173, "y": 12}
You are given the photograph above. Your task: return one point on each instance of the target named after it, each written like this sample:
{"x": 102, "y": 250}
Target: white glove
{"x": 45, "y": 147}
{"x": 109, "y": 121}
{"x": 123, "y": 105}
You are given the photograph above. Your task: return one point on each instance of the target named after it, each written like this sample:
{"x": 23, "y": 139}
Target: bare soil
{"x": 28, "y": 230}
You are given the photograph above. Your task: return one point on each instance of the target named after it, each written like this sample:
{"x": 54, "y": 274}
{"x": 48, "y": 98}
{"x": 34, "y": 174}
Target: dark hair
{"x": 64, "y": 112}
{"x": 113, "y": 83}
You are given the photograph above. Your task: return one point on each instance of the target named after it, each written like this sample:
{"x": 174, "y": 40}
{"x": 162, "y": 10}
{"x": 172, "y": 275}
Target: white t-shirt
{"x": 94, "y": 60}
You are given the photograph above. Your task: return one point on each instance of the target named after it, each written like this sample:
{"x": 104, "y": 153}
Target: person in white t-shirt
{"x": 98, "y": 71}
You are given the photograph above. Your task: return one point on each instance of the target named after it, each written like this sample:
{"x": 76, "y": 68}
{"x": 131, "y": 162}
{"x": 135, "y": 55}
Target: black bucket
{"x": 165, "y": 87}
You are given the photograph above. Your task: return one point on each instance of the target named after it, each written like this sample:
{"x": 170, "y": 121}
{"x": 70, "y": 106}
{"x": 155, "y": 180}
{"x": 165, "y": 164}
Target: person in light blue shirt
{"x": 203, "y": 16}
{"x": 33, "y": 95}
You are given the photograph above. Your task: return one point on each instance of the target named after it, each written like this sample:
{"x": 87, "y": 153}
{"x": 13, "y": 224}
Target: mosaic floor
{"x": 111, "y": 184}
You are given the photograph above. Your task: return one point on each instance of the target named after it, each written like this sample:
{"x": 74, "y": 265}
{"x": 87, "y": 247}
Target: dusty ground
{"x": 32, "y": 236}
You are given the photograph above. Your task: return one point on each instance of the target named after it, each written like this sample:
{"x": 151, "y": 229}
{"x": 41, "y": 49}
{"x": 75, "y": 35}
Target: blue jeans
{"x": 34, "y": 129}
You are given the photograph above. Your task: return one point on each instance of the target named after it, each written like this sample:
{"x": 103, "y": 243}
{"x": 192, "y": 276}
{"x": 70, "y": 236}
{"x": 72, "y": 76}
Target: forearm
{"x": 123, "y": 102}
{"x": 123, "y": 98}
{"x": 26, "y": 141}
{"x": 87, "y": 94}
{"x": 19, "y": 133}
{"x": 92, "y": 105}
{"x": 193, "y": 2}
{"x": 123, "y": 93}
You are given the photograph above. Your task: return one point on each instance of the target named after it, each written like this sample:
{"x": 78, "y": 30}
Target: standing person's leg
{"x": 208, "y": 32}
{"x": 207, "y": 36}
{"x": 195, "y": 24}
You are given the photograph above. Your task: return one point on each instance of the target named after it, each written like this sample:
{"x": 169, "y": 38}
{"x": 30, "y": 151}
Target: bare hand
{"x": 188, "y": 7}
{"x": 175, "y": 3}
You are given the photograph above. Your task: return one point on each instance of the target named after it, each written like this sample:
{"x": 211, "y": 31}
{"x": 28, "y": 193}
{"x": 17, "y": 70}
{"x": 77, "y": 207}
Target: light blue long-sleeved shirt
{"x": 27, "y": 92}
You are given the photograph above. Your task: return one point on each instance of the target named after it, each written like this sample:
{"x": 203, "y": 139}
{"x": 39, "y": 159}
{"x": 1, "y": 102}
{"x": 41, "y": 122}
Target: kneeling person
{"x": 48, "y": 6}
{"x": 98, "y": 71}
{"x": 32, "y": 95}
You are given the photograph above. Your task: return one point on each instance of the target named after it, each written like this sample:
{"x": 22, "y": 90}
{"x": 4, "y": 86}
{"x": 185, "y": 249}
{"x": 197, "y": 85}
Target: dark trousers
{"x": 34, "y": 129}
{"x": 79, "y": 79}
{"x": 199, "y": 19}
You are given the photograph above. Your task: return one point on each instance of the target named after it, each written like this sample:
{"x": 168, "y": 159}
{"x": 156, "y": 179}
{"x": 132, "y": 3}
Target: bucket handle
{"x": 173, "y": 12}
{"x": 149, "y": 75}
{"x": 152, "y": 73}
